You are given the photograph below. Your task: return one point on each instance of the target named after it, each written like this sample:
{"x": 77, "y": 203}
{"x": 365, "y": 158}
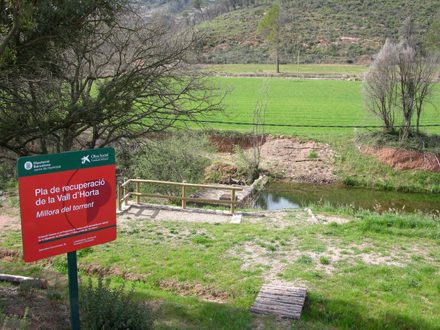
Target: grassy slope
{"x": 374, "y": 272}
{"x": 315, "y": 28}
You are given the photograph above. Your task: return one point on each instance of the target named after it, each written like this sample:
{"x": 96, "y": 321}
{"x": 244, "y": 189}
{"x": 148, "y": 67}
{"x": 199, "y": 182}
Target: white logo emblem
{"x": 85, "y": 159}
{"x": 28, "y": 165}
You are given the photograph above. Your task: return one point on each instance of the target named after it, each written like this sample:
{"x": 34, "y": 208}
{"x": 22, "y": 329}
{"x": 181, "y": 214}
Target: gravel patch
{"x": 160, "y": 214}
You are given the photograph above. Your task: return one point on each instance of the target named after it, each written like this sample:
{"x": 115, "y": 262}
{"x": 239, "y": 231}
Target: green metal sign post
{"x": 73, "y": 290}
{"x": 68, "y": 203}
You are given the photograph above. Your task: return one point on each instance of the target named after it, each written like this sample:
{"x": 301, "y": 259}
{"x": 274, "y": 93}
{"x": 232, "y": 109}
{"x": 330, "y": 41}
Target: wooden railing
{"x": 124, "y": 194}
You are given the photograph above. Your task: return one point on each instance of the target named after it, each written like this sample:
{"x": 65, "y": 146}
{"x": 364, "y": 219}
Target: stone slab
{"x": 236, "y": 219}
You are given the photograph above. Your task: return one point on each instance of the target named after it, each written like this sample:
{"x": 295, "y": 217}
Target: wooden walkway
{"x": 280, "y": 300}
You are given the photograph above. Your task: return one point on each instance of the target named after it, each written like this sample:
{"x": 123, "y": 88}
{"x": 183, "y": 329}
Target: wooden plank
{"x": 285, "y": 293}
{"x": 282, "y": 296}
{"x": 279, "y": 308}
{"x": 275, "y": 311}
{"x": 185, "y": 184}
{"x": 19, "y": 279}
{"x": 285, "y": 307}
{"x": 188, "y": 199}
{"x": 286, "y": 288}
{"x": 280, "y": 300}
{"x": 285, "y": 315}
{"x": 287, "y": 300}
{"x": 291, "y": 299}
{"x": 283, "y": 289}
{"x": 296, "y": 292}
{"x": 293, "y": 315}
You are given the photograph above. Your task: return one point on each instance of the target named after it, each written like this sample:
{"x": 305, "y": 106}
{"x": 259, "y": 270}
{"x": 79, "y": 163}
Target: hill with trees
{"x": 324, "y": 31}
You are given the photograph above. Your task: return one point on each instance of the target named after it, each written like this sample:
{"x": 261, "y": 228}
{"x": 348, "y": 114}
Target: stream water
{"x": 281, "y": 195}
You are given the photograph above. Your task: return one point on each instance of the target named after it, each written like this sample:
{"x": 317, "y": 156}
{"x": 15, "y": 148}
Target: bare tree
{"x": 251, "y": 161}
{"x": 401, "y": 77}
{"x": 259, "y": 119}
{"x": 379, "y": 89}
{"x": 407, "y": 33}
{"x": 416, "y": 73}
{"x": 114, "y": 81}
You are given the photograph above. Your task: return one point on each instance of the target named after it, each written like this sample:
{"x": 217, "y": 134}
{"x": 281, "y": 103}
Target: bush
{"x": 8, "y": 176}
{"x": 175, "y": 158}
{"x": 349, "y": 181}
{"x": 105, "y": 309}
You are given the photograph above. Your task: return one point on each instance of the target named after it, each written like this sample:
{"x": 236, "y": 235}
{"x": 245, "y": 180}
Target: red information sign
{"x": 67, "y": 202}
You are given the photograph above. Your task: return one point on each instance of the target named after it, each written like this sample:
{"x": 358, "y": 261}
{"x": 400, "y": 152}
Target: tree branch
{"x": 16, "y": 14}
{"x": 40, "y": 39}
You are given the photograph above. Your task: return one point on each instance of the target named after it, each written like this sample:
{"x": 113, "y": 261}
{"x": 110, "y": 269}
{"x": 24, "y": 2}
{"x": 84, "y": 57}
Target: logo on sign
{"x": 85, "y": 159}
{"x": 28, "y": 165}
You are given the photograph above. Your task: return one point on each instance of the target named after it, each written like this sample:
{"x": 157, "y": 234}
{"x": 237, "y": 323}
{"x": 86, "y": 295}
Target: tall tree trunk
{"x": 417, "y": 129}
{"x": 278, "y": 61}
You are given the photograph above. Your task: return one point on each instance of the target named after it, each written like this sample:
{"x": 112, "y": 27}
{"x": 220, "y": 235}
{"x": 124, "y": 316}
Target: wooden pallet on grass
{"x": 280, "y": 300}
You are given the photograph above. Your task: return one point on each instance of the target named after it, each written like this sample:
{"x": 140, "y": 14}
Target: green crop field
{"x": 306, "y": 102}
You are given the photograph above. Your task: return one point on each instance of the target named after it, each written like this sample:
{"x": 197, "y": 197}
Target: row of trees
{"x": 81, "y": 74}
{"x": 400, "y": 81}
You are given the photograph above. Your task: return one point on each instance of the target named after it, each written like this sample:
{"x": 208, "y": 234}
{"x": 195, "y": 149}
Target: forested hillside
{"x": 324, "y": 31}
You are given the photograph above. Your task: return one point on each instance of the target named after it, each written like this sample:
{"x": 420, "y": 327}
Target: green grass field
{"x": 306, "y": 102}
{"x": 368, "y": 272}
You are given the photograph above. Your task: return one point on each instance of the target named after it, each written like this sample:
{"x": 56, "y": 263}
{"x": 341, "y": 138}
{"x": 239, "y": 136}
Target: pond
{"x": 279, "y": 195}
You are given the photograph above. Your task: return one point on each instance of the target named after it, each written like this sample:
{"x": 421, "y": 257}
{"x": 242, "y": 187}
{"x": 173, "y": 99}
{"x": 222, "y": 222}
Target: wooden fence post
{"x": 125, "y": 192}
{"x": 138, "y": 190}
{"x": 119, "y": 196}
{"x": 184, "y": 195}
{"x": 232, "y": 200}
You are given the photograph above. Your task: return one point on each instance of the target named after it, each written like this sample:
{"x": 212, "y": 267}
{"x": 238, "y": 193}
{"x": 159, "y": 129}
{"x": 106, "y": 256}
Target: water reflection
{"x": 281, "y": 195}
{"x": 271, "y": 201}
